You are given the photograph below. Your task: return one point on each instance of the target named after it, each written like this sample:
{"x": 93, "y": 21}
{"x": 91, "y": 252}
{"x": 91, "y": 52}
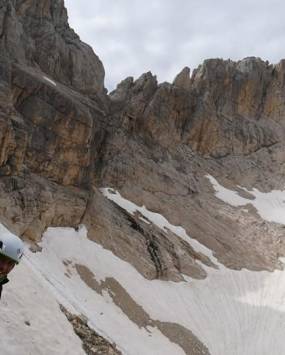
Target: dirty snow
{"x": 105, "y": 317}
{"x": 231, "y": 312}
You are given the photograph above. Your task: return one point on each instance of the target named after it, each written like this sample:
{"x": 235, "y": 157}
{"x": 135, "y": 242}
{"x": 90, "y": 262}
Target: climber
{"x": 11, "y": 251}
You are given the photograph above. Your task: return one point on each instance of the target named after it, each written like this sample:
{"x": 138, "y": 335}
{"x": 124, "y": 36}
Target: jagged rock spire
{"x": 182, "y": 79}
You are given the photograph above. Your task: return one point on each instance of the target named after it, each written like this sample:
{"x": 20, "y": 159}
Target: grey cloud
{"x": 131, "y": 36}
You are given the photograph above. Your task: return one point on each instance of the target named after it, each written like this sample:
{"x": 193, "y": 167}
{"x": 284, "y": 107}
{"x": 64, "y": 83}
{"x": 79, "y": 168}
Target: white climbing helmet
{"x": 10, "y": 245}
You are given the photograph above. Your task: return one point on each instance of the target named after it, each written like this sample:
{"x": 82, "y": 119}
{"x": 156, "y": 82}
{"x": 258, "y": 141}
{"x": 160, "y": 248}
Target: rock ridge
{"x": 224, "y": 108}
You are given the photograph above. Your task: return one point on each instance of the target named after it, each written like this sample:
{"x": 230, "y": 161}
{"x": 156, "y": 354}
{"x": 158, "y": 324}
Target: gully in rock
{"x": 11, "y": 251}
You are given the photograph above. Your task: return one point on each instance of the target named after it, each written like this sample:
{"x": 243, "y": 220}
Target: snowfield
{"x": 230, "y": 312}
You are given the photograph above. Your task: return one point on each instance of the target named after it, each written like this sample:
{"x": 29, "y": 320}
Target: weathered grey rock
{"x": 49, "y": 130}
{"x": 93, "y": 343}
{"x": 225, "y": 108}
{"x": 182, "y": 80}
{"x": 123, "y": 90}
{"x": 37, "y": 33}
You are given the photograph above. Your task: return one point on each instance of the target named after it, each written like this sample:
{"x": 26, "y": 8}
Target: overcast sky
{"x": 135, "y": 36}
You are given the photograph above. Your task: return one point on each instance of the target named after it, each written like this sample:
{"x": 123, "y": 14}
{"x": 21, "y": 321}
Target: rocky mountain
{"x": 206, "y": 152}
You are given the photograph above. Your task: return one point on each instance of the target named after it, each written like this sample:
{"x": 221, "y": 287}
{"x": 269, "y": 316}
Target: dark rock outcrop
{"x": 93, "y": 343}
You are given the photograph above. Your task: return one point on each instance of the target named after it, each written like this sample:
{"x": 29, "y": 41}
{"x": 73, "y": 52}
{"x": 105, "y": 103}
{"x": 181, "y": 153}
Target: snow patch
{"x": 49, "y": 80}
{"x": 270, "y": 206}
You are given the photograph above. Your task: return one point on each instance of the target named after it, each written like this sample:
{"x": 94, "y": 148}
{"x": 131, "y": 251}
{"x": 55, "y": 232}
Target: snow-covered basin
{"x": 231, "y": 312}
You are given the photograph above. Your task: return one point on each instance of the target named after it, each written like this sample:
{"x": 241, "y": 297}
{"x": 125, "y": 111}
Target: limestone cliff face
{"x": 45, "y": 69}
{"x": 52, "y": 114}
{"x": 62, "y": 137}
{"x": 224, "y": 108}
{"x": 37, "y": 33}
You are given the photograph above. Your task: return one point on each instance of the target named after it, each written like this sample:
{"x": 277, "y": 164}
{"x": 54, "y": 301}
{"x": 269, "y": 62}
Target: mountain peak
{"x": 37, "y": 33}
